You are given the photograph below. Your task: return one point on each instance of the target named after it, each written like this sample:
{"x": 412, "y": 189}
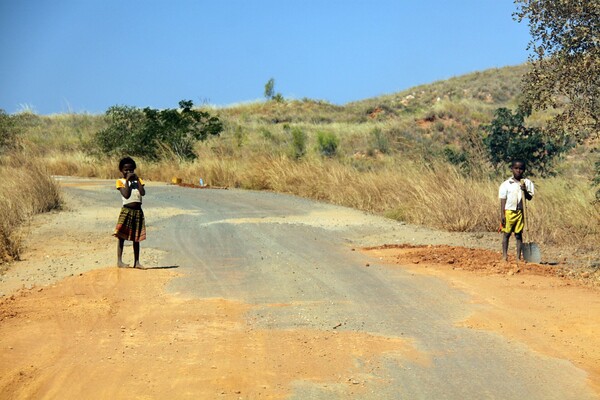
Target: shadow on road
{"x": 159, "y": 267}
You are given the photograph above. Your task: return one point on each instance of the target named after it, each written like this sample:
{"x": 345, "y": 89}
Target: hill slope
{"x": 480, "y": 91}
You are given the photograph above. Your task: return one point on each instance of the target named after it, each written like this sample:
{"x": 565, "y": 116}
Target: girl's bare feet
{"x": 138, "y": 266}
{"x": 121, "y": 264}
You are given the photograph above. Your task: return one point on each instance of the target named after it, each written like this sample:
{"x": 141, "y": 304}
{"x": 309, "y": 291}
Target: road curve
{"x": 264, "y": 248}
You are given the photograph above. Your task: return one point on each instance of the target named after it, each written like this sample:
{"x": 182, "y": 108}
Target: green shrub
{"x": 8, "y": 131}
{"x": 327, "y": 143}
{"x": 379, "y": 141}
{"x": 267, "y": 134}
{"x": 299, "y": 139}
{"x": 278, "y": 98}
{"x": 455, "y": 156}
{"x": 240, "y": 136}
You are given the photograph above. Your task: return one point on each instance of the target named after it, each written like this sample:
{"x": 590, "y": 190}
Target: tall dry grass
{"x": 77, "y": 163}
{"x": 26, "y": 189}
{"x": 564, "y": 214}
{"x": 437, "y": 195}
{"x": 440, "y": 196}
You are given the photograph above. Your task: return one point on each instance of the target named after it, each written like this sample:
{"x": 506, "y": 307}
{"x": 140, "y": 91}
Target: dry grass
{"x": 26, "y": 189}
{"x": 78, "y": 164}
{"x": 438, "y": 195}
{"x": 563, "y": 214}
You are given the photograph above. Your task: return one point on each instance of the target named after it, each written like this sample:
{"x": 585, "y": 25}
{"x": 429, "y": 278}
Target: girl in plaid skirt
{"x": 131, "y": 224}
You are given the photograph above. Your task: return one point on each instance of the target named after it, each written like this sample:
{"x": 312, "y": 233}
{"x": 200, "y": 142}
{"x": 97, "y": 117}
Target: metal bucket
{"x": 531, "y": 252}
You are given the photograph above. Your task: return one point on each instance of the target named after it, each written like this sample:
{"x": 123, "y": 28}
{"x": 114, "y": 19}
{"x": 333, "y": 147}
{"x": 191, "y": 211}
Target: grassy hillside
{"x": 447, "y": 107}
{"x": 416, "y": 156}
{"x": 483, "y": 91}
{"x": 497, "y": 87}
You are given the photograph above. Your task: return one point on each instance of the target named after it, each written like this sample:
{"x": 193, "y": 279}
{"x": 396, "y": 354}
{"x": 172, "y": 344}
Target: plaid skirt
{"x": 131, "y": 225}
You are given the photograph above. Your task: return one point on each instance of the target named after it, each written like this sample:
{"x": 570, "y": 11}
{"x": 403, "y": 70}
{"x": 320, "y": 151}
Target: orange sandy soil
{"x": 115, "y": 333}
{"x": 550, "y": 309}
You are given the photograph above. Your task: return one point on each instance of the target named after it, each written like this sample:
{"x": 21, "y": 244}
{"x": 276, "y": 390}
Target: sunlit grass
{"x": 25, "y": 189}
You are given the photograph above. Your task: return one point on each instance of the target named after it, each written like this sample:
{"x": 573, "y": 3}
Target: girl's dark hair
{"x": 512, "y": 164}
{"x": 126, "y": 160}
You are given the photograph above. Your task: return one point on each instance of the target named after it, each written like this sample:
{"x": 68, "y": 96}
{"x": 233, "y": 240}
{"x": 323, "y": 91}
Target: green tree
{"x": 508, "y": 138}
{"x": 270, "y": 89}
{"x": 123, "y": 134}
{"x": 270, "y": 92}
{"x": 565, "y": 59}
{"x": 565, "y": 63}
{"x": 178, "y": 130}
{"x": 152, "y": 133}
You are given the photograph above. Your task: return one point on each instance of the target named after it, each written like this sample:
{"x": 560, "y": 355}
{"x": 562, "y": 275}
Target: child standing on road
{"x": 512, "y": 193}
{"x": 131, "y": 224}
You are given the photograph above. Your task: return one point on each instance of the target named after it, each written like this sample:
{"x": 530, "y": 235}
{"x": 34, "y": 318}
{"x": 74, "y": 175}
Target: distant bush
{"x": 8, "y": 131}
{"x": 268, "y": 135}
{"x": 455, "y": 156}
{"x": 299, "y": 139}
{"x": 379, "y": 141}
{"x": 327, "y": 143}
{"x": 152, "y": 133}
{"x": 278, "y": 98}
{"x": 240, "y": 136}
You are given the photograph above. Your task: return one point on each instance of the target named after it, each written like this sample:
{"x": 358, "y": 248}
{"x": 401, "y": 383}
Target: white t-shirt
{"x": 511, "y": 191}
{"x": 135, "y": 196}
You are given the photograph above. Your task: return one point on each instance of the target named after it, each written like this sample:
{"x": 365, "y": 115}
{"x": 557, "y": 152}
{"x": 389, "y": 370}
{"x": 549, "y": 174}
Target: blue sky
{"x": 61, "y": 56}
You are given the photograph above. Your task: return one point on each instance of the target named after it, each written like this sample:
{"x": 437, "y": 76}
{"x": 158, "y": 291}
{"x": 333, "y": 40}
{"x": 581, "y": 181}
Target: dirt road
{"x": 257, "y": 295}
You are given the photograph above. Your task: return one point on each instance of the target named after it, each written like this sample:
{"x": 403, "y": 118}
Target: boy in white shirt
{"x": 512, "y": 193}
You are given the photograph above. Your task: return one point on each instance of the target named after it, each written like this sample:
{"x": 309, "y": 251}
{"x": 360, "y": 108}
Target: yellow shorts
{"x": 514, "y": 221}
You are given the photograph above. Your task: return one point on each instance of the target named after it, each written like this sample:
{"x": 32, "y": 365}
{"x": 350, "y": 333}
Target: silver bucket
{"x": 531, "y": 252}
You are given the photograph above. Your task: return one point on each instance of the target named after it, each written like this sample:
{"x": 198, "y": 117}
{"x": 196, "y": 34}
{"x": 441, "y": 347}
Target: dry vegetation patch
{"x": 26, "y": 189}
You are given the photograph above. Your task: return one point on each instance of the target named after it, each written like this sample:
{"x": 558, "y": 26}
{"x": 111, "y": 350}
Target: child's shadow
{"x": 161, "y": 267}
